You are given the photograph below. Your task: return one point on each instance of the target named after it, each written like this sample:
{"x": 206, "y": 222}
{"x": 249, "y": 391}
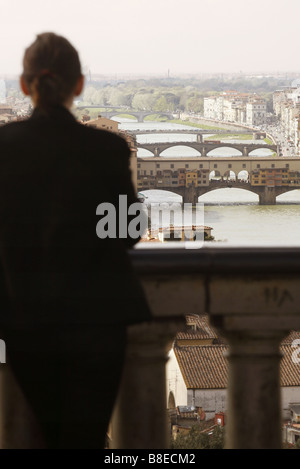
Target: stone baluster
{"x": 140, "y": 417}
{"x": 254, "y": 315}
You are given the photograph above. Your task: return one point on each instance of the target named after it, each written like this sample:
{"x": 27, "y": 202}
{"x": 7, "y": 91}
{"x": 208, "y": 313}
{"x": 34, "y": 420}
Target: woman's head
{"x": 51, "y": 71}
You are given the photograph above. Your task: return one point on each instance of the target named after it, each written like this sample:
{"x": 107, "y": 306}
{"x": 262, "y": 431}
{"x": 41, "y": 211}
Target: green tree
{"x": 297, "y": 445}
{"x": 217, "y": 438}
{"x": 143, "y": 101}
{"x": 161, "y": 104}
{"x": 195, "y": 439}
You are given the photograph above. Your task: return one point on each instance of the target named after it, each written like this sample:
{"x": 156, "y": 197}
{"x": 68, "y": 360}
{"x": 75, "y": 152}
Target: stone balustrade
{"x": 252, "y": 296}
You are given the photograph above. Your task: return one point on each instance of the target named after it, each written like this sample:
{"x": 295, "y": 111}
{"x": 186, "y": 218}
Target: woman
{"x": 67, "y": 295}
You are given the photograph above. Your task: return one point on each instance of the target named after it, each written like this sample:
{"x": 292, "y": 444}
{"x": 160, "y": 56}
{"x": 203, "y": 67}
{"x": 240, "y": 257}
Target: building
{"x": 6, "y": 113}
{"x": 286, "y": 106}
{"x": 272, "y": 177}
{"x": 191, "y": 178}
{"x": 291, "y": 428}
{"x": 256, "y": 111}
{"x": 197, "y": 371}
{"x": 169, "y": 174}
{"x": 232, "y": 106}
{"x": 103, "y": 123}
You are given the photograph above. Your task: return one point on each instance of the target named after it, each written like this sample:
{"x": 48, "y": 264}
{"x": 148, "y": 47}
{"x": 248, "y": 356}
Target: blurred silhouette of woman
{"x": 67, "y": 295}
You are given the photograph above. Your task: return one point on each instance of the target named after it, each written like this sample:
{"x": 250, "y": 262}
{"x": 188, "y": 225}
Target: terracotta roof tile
{"x": 198, "y": 327}
{"x": 205, "y": 366}
{"x": 293, "y": 335}
{"x": 290, "y": 369}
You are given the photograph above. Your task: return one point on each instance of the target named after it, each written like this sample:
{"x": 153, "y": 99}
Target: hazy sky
{"x": 154, "y": 36}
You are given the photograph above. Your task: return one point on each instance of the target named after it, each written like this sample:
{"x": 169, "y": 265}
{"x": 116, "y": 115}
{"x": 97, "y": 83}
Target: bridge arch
{"x": 215, "y": 174}
{"x": 157, "y": 114}
{"x": 144, "y": 152}
{"x": 219, "y": 151}
{"x": 243, "y": 175}
{"x": 229, "y": 175}
{"x": 162, "y": 195}
{"x": 118, "y": 114}
{"x": 261, "y": 151}
{"x": 171, "y": 401}
{"x": 179, "y": 148}
{"x": 290, "y": 195}
{"x": 229, "y": 195}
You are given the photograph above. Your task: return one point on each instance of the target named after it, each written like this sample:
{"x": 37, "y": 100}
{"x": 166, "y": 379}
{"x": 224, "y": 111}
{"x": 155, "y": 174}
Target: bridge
{"x": 139, "y": 115}
{"x": 190, "y": 131}
{"x": 199, "y": 133}
{"x": 218, "y": 173}
{"x": 267, "y": 195}
{"x": 205, "y": 147}
{"x": 117, "y": 110}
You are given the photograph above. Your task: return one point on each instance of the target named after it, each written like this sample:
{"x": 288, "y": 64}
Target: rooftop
{"x": 205, "y": 366}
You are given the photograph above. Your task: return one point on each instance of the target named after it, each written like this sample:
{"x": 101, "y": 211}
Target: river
{"x": 234, "y": 214}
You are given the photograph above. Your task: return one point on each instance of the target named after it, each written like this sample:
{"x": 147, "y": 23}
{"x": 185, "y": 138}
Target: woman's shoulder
{"x": 37, "y": 124}
{"x": 12, "y": 130}
{"x": 105, "y": 137}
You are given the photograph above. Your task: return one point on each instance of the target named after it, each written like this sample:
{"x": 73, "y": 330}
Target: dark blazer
{"x": 54, "y": 172}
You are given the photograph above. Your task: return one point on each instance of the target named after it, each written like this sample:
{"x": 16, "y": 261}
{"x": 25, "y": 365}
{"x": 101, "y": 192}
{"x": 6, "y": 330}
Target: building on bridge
{"x": 272, "y": 177}
{"x": 168, "y": 178}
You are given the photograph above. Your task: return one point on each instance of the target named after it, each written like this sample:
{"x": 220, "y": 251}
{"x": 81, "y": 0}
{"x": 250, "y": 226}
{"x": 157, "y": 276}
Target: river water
{"x": 234, "y": 214}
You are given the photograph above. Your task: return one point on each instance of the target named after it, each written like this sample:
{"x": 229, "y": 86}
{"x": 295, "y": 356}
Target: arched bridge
{"x": 205, "y": 147}
{"x": 267, "y": 195}
{"x": 190, "y": 131}
{"x": 139, "y": 115}
{"x": 191, "y": 177}
{"x": 198, "y": 132}
{"x": 113, "y": 111}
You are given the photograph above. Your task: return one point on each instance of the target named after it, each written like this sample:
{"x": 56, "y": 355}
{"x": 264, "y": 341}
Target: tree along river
{"x": 234, "y": 214}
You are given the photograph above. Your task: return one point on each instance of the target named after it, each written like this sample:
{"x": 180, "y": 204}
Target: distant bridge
{"x": 139, "y": 115}
{"x": 205, "y": 147}
{"x": 117, "y": 110}
{"x": 198, "y": 132}
{"x": 190, "y": 131}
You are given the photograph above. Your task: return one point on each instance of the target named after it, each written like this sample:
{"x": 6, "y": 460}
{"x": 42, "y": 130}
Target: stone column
{"x": 190, "y": 195}
{"x": 140, "y": 417}
{"x": 268, "y": 196}
{"x": 245, "y": 151}
{"x": 254, "y": 399}
{"x": 199, "y": 138}
{"x": 254, "y": 314}
{"x": 156, "y": 152}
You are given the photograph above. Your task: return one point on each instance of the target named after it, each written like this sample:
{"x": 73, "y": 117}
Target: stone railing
{"x": 252, "y": 296}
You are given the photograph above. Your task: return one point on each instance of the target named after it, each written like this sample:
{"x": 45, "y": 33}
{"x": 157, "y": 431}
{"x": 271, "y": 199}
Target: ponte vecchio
{"x": 192, "y": 177}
